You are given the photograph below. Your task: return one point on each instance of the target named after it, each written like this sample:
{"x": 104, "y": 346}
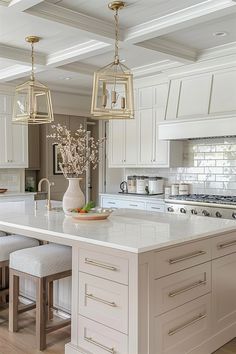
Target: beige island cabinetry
{"x": 142, "y": 282}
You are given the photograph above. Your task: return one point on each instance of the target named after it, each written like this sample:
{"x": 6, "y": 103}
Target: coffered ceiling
{"x": 78, "y": 35}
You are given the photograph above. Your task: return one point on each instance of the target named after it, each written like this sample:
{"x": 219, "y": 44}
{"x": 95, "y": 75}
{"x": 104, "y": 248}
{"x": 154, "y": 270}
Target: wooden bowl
{"x": 3, "y": 190}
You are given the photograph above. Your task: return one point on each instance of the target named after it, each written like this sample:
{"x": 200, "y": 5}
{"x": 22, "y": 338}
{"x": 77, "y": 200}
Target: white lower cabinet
{"x": 131, "y": 203}
{"x": 224, "y": 292}
{"x": 183, "y": 328}
{"x": 98, "y": 339}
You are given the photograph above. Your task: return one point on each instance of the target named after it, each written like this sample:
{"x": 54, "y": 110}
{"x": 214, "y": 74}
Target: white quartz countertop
{"x": 133, "y": 231}
{"x": 159, "y": 197}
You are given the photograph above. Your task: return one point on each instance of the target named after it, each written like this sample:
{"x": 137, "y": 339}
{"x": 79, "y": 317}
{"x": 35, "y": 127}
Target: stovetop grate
{"x": 206, "y": 198}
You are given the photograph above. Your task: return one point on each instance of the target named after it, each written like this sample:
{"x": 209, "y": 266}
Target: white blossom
{"x": 77, "y": 150}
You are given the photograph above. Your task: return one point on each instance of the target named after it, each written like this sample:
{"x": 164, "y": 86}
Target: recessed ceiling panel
{"x": 202, "y": 36}
{"x": 136, "y": 12}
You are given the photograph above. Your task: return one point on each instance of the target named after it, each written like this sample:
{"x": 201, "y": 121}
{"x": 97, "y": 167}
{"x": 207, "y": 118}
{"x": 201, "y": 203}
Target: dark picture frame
{"x": 56, "y": 160}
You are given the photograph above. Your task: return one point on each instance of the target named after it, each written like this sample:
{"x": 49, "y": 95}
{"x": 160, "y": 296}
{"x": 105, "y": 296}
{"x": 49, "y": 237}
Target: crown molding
{"x": 100, "y": 30}
{"x": 14, "y": 72}
{"x": 178, "y": 20}
{"x": 172, "y": 50}
{"x": 154, "y": 68}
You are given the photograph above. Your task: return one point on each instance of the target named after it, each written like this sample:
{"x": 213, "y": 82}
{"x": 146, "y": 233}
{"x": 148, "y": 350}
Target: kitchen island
{"x": 142, "y": 282}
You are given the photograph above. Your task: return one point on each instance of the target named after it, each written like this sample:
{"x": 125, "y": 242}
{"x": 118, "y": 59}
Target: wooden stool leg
{"x": 50, "y": 300}
{"x": 41, "y": 298}
{"x": 13, "y": 302}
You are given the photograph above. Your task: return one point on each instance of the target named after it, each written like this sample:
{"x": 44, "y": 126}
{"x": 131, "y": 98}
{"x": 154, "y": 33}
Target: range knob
{"x": 234, "y": 215}
{"x": 219, "y": 215}
{"x": 183, "y": 211}
{"x": 205, "y": 213}
{"x": 194, "y": 211}
{"x": 170, "y": 209}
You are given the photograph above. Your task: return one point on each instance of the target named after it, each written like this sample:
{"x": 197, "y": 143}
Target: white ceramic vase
{"x": 73, "y": 197}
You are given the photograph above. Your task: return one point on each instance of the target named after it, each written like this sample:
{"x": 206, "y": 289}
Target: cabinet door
{"x": 19, "y": 145}
{"x": 223, "y": 292}
{"x": 3, "y": 139}
{"x": 145, "y": 98}
{"x": 146, "y": 137}
{"x": 131, "y": 142}
{"x": 116, "y": 142}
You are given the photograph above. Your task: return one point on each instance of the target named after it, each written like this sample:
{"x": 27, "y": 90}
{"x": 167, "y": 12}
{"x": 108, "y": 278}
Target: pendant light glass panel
{"x": 113, "y": 93}
{"x": 32, "y": 104}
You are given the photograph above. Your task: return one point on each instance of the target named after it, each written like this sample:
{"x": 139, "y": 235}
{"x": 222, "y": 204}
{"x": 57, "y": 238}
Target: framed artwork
{"x": 56, "y": 160}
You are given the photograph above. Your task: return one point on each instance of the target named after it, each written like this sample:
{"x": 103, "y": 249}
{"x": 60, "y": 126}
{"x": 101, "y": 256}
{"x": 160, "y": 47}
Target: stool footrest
{"x": 55, "y": 326}
{"x": 26, "y": 308}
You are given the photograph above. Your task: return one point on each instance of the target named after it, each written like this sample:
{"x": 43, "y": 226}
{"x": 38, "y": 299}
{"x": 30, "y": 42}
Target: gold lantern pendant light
{"x": 32, "y": 102}
{"x": 112, "y": 96}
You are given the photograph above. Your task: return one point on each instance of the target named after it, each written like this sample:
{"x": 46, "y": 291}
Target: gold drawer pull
{"x": 101, "y": 265}
{"x": 227, "y": 244}
{"x": 187, "y": 324}
{"x": 92, "y": 297}
{"x": 188, "y": 256}
{"x": 104, "y": 347}
{"x": 193, "y": 286}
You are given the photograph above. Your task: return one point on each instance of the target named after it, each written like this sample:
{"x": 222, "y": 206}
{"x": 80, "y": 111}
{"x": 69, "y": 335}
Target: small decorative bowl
{"x": 3, "y": 190}
{"x": 93, "y": 215}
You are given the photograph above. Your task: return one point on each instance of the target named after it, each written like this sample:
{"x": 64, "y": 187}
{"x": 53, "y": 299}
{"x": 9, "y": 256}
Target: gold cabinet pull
{"x": 190, "y": 287}
{"x": 188, "y": 256}
{"x": 101, "y": 265}
{"x": 95, "y": 298}
{"x": 226, "y": 244}
{"x": 187, "y": 324}
{"x": 104, "y": 347}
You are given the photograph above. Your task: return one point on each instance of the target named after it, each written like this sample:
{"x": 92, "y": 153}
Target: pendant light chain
{"x": 32, "y": 62}
{"x": 116, "y": 16}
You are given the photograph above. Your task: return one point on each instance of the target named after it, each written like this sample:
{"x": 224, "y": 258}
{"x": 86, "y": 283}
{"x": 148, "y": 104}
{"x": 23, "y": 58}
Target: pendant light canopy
{"x": 112, "y": 96}
{"x": 32, "y": 102}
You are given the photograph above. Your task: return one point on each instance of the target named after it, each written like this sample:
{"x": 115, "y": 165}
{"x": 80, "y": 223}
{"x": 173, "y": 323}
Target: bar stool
{"x": 10, "y": 244}
{"x": 44, "y": 264}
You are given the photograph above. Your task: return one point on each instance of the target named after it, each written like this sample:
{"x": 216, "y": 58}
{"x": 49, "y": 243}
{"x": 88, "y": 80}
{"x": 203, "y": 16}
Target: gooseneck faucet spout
{"x": 49, "y": 206}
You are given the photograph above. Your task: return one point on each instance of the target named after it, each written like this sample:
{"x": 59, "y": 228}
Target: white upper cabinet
{"x": 134, "y": 142}
{"x": 13, "y": 138}
{"x": 189, "y": 97}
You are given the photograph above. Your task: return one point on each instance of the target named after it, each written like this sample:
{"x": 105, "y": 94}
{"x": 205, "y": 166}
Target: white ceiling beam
{"x": 172, "y": 50}
{"x": 91, "y": 27}
{"x": 21, "y": 56}
{"x": 187, "y": 17}
{"x": 22, "y": 5}
{"x": 77, "y": 52}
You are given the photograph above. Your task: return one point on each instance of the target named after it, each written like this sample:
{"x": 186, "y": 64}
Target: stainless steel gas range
{"x": 216, "y": 206}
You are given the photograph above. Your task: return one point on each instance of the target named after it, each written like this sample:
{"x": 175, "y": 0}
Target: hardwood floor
{"x": 23, "y": 342}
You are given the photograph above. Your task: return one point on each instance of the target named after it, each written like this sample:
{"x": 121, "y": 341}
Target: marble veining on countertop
{"x": 157, "y": 197}
{"x": 129, "y": 230}
{"x": 16, "y": 194}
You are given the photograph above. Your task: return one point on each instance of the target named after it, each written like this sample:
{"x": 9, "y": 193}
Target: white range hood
{"x": 197, "y": 128}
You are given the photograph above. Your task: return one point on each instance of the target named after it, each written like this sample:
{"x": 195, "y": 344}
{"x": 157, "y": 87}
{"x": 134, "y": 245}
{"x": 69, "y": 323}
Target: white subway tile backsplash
{"x": 12, "y": 179}
{"x": 209, "y": 166}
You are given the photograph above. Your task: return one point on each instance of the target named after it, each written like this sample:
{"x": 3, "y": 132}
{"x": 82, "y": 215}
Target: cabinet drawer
{"x": 104, "y": 266}
{"x": 177, "y": 289}
{"x": 223, "y": 245}
{"x": 180, "y": 330}
{"x": 104, "y": 301}
{"x": 98, "y": 339}
{"x": 134, "y": 205}
{"x": 158, "y": 207}
{"x": 111, "y": 203}
{"x": 181, "y": 257}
